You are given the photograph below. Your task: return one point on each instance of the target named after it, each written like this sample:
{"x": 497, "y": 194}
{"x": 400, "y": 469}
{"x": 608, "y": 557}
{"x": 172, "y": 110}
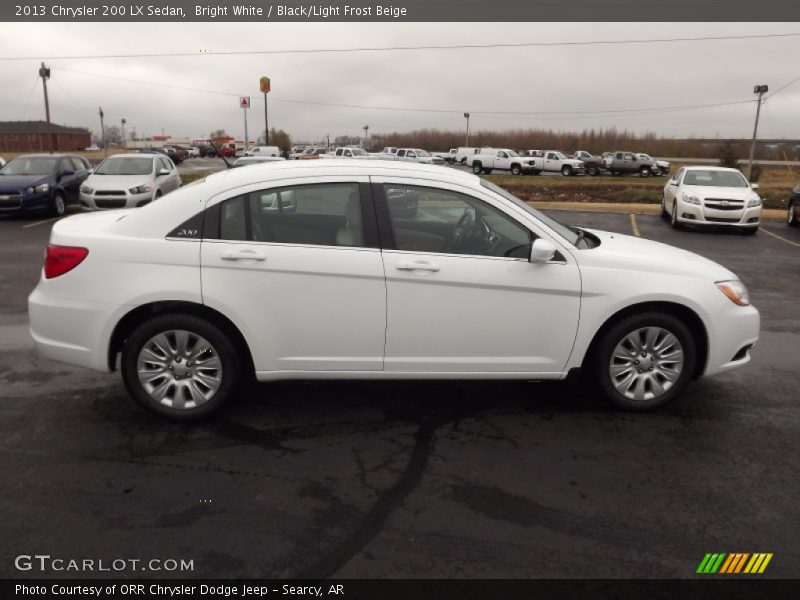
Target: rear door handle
{"x": 243, "y": 255}
{"x": 417, "y": 266}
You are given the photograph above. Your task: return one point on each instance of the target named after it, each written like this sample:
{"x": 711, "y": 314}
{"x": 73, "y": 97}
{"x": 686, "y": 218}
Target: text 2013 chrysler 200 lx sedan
{"x": 358, "y": 269}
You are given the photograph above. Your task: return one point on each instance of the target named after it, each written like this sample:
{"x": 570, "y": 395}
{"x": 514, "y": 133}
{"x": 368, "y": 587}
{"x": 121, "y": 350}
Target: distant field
{"x": 775, "y": 186}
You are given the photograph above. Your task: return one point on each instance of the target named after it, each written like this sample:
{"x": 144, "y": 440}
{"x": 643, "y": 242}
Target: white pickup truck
{"x": 357, "y": 153}
{"x": 418, "y": 155}
{"x": 554, "y": 161}
{"x": 500, "y": 159}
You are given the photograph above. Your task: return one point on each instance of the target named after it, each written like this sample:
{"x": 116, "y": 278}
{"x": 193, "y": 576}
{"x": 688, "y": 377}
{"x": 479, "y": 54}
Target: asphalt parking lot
{"x": 414, "y": 479}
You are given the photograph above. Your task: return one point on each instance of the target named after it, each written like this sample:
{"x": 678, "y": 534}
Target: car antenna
{"x": 219, "y": 153}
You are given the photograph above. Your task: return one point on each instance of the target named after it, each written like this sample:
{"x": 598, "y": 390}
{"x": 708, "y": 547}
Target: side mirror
{"x": 754, "y": 186}
{"x": 542, "y": 251}
{"x": 163, "y": 172}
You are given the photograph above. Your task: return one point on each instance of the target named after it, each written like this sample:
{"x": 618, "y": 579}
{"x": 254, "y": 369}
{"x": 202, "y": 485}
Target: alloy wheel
{"x": 646, "y": 363}
{"x": 179, "y": 369}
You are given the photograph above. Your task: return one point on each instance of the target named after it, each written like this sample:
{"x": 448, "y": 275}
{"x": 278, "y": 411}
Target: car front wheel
{"x": 791, "y": 217}
{"x": 673, "y": 219}
{"x": 664, "y": 214}
{"x": 477, "y": 168}
{"x": 645, "y": 361}
{"x": 566, "y": 171}
{"x": 58, "y": 206}
{"x": 180, "y": 367}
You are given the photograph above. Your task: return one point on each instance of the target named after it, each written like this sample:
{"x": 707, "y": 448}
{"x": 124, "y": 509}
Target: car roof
{"x": 710, "y": 168}
{"x": 132, "y": 155}
{"x": 43, "y": 155}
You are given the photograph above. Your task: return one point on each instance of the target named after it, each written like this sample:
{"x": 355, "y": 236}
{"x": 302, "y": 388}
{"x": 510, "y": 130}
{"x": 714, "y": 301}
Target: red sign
{"x": 244, "y": 101}
{"x": 264, "y": 85}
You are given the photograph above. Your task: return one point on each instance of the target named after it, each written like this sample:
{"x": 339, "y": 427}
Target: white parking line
{"x": 35, "y": 223}
{"x": 775, "y": 235}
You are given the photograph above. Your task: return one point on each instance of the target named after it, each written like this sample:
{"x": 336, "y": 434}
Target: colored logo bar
{"x": 734, "y": 563}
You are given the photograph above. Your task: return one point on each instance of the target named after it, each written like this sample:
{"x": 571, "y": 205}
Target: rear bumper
{"x": 71, "y": 331}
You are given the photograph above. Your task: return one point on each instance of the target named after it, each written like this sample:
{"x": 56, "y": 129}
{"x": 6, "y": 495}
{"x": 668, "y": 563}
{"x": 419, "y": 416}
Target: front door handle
{"x": 243, "y": 255}
{"x": 417, "y": 266}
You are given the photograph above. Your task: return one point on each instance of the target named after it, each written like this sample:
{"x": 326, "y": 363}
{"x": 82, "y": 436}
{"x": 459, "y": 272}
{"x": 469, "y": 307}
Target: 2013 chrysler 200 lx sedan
{"x": 354, "y": 269}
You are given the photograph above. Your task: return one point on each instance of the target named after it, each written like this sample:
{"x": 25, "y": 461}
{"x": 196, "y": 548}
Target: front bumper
{"x": 692, "y": 214}
{"x": 20, "y": 202}
{"x": 99, "y": 201}
{"x": 732, "y": 333}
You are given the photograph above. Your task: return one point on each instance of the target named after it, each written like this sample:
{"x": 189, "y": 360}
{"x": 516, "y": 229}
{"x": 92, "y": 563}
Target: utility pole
{"x": 760, "y": 90}
{"x": 265, "y": 85}
{"x": 44, "y": 73}
{"x": 366, "y": 136}
{"x": 327, "y": 143}
{"x": 103, "y": 132}
{"x": 123, "y": 133}
{"x": 466, "y": 116}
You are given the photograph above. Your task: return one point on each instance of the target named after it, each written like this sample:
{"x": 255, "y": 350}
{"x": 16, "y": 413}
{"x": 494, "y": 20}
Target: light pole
{"x": 44, "y": 73}
{"x": 466, "y": 116}
{"x": 123, "y": 133}
{"x": 366, "y": 136}
{"x": 103, "y": 132}
{"x": 265, "y": 85}
{"x": 760, "y": 90}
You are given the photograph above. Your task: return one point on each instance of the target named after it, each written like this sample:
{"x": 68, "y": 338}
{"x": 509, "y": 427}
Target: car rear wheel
{"x": 477, "y": 168}
{"x": 644, "y": 172}
{"x": 58, "y": 206}
{"x": 791, "y": 217}
{"x": 645, "y": 360}
{"x": 180, "y": 367}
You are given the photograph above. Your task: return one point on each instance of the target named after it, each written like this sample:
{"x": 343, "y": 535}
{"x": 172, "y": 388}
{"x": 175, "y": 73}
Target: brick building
{"x": 31, "y": 136}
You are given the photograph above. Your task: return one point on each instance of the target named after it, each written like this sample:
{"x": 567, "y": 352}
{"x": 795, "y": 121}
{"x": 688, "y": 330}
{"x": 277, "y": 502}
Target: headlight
{"x": 689, "y": 199}
{"x": 142, "y": 189}
{"x": 735, "y": 291}
{"x": 42, "y": 187}
{"x": 86, "y": 189}
{"x": 754, "y": 202}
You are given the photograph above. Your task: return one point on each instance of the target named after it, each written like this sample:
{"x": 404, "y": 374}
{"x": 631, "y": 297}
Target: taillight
{"x": 60, "y": 259}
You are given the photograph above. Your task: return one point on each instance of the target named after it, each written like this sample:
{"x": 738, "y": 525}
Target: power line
{"x": 506, "y": 113}
{"x": 408, "y": 48}
{"x": 783, "y": 87}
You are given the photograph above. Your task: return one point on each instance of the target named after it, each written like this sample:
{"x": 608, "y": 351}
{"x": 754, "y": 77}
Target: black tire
{"x": 464, "y": 161}
{"x": 219, "y": 340}
{"x": 566, "y": 171}
{"x": 614, "y": 173}
{"x": 792, "y": 219}
{"x": 58, "y": 206}
{"x": 477, "y": 168}
{"x": 600, "y": 361}
{"x": 644, "y": 172}
{"x": 664, "y": 214}
{"x": 593, "y": 171}
{"x": 487, "y": 171}
{"x": 535, "y": 172}
{"x": 516, "y": 170}
{"x": 673, "y": 219}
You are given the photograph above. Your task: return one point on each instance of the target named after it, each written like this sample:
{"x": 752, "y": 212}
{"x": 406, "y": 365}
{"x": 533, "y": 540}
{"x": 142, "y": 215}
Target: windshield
{"x": 560, "y": 155}
{"x": 568, "y": 233}
{"x": 422, "y": 152}
{"x": 732, "y": 179}
{"x": 644, "y": 157}
{"x": 30, "y": 165}
{"x": 512, "y": 153}
{"x": 128, "y": 165}
{"x": 359, "y": 152}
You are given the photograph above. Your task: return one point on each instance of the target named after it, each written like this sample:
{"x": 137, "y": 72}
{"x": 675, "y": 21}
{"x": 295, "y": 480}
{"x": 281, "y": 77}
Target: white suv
{"x": 375, "y": 270}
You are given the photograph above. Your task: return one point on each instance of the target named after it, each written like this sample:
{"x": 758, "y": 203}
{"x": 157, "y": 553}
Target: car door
{"x": 552, "y": 162}
{"x": 165, "y": 176}
{"x": 298, "y": 268}
{"x": 411, "y": 155}
{"x": 671, "y": 190}
{"x": 68, "y": 180}
{"x": 502, "y": 161}
{"x": 463, "y": 300}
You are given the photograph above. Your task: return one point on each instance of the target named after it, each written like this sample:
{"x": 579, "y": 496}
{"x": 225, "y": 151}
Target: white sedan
{"x": 375, "y": 270}
{"x": 712, "y": 196}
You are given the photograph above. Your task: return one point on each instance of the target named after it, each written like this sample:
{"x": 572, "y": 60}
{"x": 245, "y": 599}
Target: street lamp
{"x": 760, "y": 90}
{"x": 123, "y": 133}
{"x": 466, "y": 116}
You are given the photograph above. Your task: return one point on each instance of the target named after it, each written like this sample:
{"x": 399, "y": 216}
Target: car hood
{"x": 117, "y": 182}
{"x": 705, "y": 191}
{"x": 22, "y": 180}
{"x": 637, "y": 254}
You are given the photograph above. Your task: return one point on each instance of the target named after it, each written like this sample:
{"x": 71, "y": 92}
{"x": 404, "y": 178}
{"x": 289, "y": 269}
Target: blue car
{"x": 42, "y": 182}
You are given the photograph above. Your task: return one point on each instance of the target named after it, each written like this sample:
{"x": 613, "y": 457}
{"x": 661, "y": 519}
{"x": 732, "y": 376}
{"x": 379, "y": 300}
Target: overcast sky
{"x": 587, "y": 78}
